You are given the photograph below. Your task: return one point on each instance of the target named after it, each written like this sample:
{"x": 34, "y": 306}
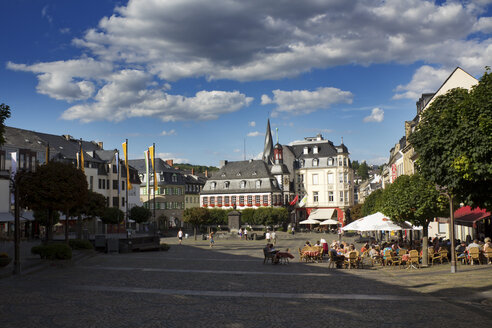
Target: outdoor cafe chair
{"x": 435, "y": 257}
{"x": 413, "y": 259}
{"x": 268, "y": 256}
{"x": 444, "y": 255}
{"x": 392, "y": 259}
{"x": 474, "y": 255}
{"x": 488, "y": 255}
{"x": 352, "y": 261}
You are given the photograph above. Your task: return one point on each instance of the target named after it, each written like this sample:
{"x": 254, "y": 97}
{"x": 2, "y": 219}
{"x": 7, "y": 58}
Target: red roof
{"x": 466, "y": 214}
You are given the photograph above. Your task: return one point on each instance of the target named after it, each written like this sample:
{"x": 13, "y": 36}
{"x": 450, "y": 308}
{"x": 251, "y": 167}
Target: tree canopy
{"x": 372, "y": 203}
{"x": 4, "y": 114}
{"x": 363, "y": 171}
{"x": 454, "y": 143}
{"x": 112, "y": 215}
{"x": 140, "y": 214}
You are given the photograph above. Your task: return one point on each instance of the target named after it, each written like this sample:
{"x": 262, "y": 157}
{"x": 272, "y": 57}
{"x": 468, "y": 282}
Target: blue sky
{"x": 200, "y": 78}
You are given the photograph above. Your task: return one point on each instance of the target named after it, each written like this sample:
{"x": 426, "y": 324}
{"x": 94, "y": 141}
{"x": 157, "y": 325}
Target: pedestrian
{"x": 211, "y": 237}
{"x": 274, "y": 237}
{"x": 180, "y": 236}
{"x": 268, "y": 236}
{"x": 245, "y": 234}
{"x": 240, "y": 233}
{"x": 293, "y": 230}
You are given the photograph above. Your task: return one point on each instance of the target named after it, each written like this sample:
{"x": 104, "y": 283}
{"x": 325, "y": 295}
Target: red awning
{"x": 466, "y": 216}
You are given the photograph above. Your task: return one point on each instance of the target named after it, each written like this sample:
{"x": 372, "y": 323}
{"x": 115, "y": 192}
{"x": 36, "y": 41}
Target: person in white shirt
{"x": 274, "y": 237}
{"x": 268, "y": 236}
{"x": 180, "y": 236}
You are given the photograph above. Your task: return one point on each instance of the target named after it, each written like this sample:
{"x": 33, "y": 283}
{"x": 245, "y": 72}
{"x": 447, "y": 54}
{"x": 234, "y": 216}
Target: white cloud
{"x": 377, "y": 160}
{"x": 253, "y": 40}
{"x": 131, "y": 94}
{"x": 67, "y": 80}
{"x": 425, "y": 79}
{"x": 254, "y": 134}
{"x": 174, "y": 157}
{"x": 252, "y": 124}
{"x": 304, "y": 101}
{"x": 45, "y": 14}
{"x": 377, "y": 115}
{"x": 65, "y": 30}
{"x": 168, "y": 133}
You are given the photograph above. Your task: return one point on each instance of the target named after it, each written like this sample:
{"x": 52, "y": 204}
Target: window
{"x": 122, "y": 185}
{"x": 212, "y": 200}
{"x": 107, "y": 184}
{"x": 258, "y": 184}
{"x": 306, "y": 150}
{"x": 345, "y": 177}
{"x": 241, "y": 200}
{"x": 340, "y": 177}
{"x": 115, "y": 184}
{"x": 115, "y": 168}
{"x": 226, "y": 200}
{"x": 2, "y": 160}
{"x": 340, "y": 161}
{"x": 122, "y": 201}
{"x": 315, "y": 179}
{"x": 205, "y": 200}
{"x": 331, "y": 198}
{"x": 315, "y": 149}
{"x": 213, "y": 185}
{"x": 330, "y": 161}
{"x": 91, "y": 183}
{"x": 257, "y": 199}
{"x": 346, "y": 197}
{"x": 341, "y": 196}
{"x": 219, "y": 200}
{"x": 345, "y": 162}
{"x": 301, "y": 163}
{"x": 233, "y": 200}
{"x": 265, "y": 200}
{"x": 315, "y": 162}
{"x": 315, "y": 196}
{"x": 115, "y": 202}
{"x": 226, "y": 185}
{"x": 174, "y": 178}
{"x": 242, "y": 185}
{"x": 250, "y": 200}
{"x": 330, "y": 178}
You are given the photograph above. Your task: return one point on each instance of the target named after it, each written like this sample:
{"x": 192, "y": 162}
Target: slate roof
{"x": 160, "y": 166}
{"x": 252, "y": 169}
{"x": 325, "y": 149}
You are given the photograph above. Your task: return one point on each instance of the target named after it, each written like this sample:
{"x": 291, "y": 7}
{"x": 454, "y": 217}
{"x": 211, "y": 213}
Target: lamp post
{"x": 17, "y": 236}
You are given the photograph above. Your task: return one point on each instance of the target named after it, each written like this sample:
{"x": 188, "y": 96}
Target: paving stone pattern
{"x": 193, "y": 285}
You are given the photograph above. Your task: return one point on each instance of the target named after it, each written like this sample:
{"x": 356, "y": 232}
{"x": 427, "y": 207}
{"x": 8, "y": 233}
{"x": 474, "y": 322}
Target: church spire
{"x": 268, "y": 148}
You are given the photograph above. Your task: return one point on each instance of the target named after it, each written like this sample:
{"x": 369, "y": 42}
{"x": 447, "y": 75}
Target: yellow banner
{"x": 125, "y": 153}
{"x": 152, "y": 159}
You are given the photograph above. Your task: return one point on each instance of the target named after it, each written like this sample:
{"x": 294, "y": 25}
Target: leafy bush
{"x": 80, "y": 244}
{"x": 164, "y": 247}
{"x": 53, "y": 251}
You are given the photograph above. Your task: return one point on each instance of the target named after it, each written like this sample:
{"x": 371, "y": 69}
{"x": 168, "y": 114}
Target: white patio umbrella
{"x": 375, "y": 222}
{"x": 328, "y": 222}
{"x": 309, "y": 221}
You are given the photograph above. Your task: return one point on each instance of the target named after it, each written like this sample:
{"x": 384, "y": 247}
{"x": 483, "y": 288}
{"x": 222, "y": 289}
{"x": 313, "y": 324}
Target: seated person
{"x": 334, "y": 256}
{"x": 364, "y": 248}
{"x": 307, "y": 243}
{"x": 473, "y": 244}
{"x": 317, "y": 243}
{"x": 373, "y": 253}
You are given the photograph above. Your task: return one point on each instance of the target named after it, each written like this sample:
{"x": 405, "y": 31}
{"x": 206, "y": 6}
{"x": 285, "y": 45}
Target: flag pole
{"x": 126, "y": 189}
{"x": 118, "y": 178}
{"x": 155, "y": 180}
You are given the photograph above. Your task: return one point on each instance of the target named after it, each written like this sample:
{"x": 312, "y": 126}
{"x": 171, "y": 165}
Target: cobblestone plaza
{"x": 193, "y": 285}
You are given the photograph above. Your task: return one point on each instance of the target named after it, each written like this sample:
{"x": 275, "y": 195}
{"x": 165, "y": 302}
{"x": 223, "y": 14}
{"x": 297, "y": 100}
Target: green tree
{"x": 218, "y": 216}
{"x": 454, "y": 143}
{"x": 263, "y": 216}
{"x": 140, "y": 214}
{"x": 93, "y": 207}
{"x": 196, "y": 216}
{"x": 4, "y": 114}
{"x": 281, "y": 216}
{"x": 355, "y": 165}
{"x": 355, "y": 212}
{"x": 112, "y": 215}
{"x": 414, "y": 199}
{"x": 373, "y": 203}
{"x": 53, "y": 187}
{"x": 363, "y": 171}
{"x": 41, "y": 216}
{"x": 247, "y": 216}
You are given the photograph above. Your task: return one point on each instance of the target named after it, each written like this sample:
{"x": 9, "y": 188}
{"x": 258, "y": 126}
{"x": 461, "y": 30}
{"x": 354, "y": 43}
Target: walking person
{"x": 274, "y": 237}
{"x": 268, "y": 236}
{"x": 180, "y": 236}
{"x": 245, "y": 234}
{"x": 211, "y": 237}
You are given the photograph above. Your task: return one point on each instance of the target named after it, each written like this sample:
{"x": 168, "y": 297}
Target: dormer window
{"x": 254, "y": 173}
{"x": 315, "y": 149}
{"x": 301, "y": 163}
{"x": 258, "y": 184}
{"x": 242, "y": 184}
{"x": 226, "y": 184}
{"x": 315, "y": 162}
{"x": 213, "y": 185}
{"x": 306, "y": 150}
{"x": 223, "y": 175}
{"x": 238, "y": 174}
{"x": 330, "y": 161}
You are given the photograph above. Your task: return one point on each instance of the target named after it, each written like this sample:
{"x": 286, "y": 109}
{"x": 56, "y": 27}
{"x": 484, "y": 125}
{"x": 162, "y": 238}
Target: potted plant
{"x": 4, "y": 259}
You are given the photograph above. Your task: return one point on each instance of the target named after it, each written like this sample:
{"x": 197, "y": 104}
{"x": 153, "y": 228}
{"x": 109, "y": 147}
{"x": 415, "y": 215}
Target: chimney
{"x": 206, "y": 173}
{"x": 169, "y": 162}
{"x": 222, "y": 163}
{"x": 67, "y": 137}
{"x": 100, "y": 144}
{"x": 192, "y": 171}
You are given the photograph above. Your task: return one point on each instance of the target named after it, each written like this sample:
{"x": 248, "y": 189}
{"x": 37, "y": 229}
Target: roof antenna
{"x": 276, "y": 130}
{"x": 342, "y": 140}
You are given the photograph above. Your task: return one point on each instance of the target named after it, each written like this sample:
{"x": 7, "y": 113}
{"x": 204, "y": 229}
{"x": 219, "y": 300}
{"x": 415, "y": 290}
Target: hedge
{"x": 80, "y": 244}
{"x": 53, "y": 251}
